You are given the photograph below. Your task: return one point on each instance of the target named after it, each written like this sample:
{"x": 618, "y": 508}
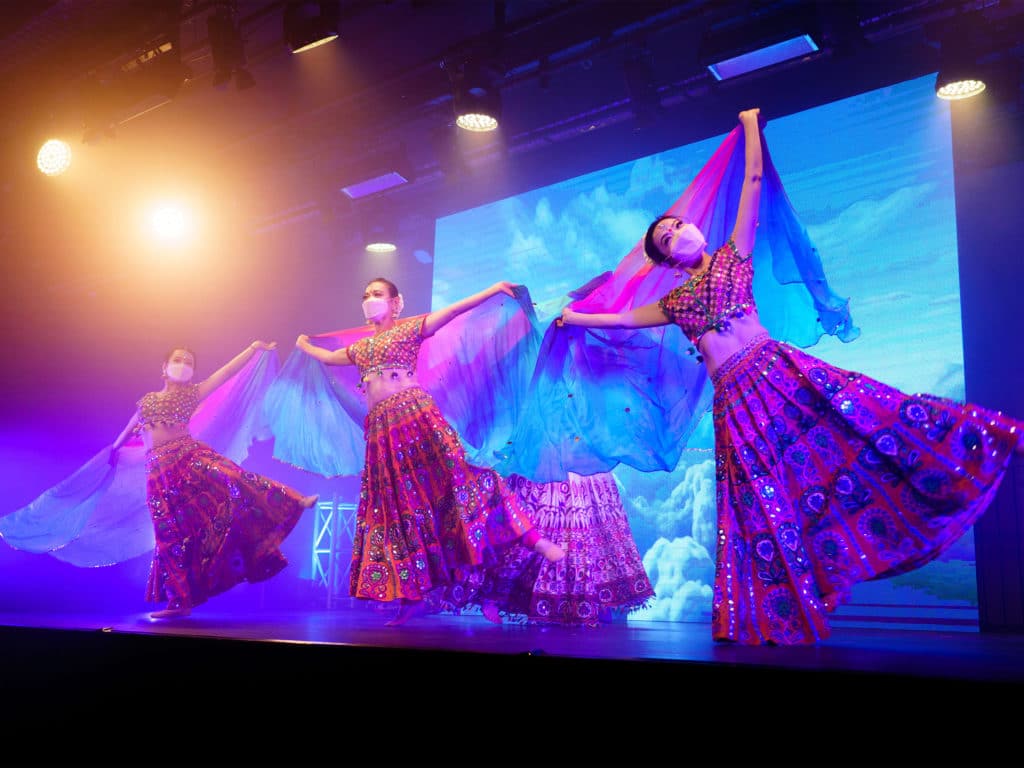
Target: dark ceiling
{"x": 570, "y": 71}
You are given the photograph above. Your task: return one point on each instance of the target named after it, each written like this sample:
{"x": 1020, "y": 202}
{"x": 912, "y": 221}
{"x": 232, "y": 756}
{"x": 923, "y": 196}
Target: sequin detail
{"x": 827, "y": 478}
{"x": 602, "y": 575}
{"x": 215, "y": 523}
{"x": 395, "y": 348}
{"x": 173, "y": 406}
{"x": 707, "y": 301}
{"x": 425, "y": 516}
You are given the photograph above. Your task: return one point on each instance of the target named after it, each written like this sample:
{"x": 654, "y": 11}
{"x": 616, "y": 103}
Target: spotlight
{"x": 378, "y": 233}
{"x": 226, "y": 47}
{"x": 54, "y": 157}
{"x": 959, "y": 76}
{"x": 476, "y": 99}
{"x": 308, "y": 24}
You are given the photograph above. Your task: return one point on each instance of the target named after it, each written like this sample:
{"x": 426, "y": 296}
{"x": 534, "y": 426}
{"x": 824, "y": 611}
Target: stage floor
{"x": 269, "y": 685}
{"x": 926, "y": 653}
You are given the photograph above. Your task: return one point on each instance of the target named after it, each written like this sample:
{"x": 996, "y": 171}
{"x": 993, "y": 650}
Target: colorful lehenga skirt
{"x": 426, "y": 517}
{"x": 602, "y": 576}
{"x": 827, "y": 478}
{"x": 216, "y": 524}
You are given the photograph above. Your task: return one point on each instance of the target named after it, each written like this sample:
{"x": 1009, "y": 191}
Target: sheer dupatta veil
{"x": 99, "y": 516}
{"x": 601, "y": 397}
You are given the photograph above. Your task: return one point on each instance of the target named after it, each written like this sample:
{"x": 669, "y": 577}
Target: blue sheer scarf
{"x": 477, "y": 368}
{"x": 601, "y": 397}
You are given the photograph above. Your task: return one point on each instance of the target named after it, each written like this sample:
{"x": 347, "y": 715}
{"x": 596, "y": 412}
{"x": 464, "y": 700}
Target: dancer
{"x": 425, "y": 512}
{"x": 212, "y": 523}
{"x": 602, "y": 577}
{"x": 825, "y": 477}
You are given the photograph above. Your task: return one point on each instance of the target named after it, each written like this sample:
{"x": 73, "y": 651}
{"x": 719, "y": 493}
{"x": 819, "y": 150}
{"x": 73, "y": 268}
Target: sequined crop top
{"x": 396, "y": 347}
{"x": 706, "y": 301}
{"x": 173, "y": 406}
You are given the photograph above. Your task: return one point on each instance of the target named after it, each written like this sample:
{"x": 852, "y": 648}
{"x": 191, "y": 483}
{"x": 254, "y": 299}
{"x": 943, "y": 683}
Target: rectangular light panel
{"x": 374, "y": 185}
{"x": 763, "y": 57}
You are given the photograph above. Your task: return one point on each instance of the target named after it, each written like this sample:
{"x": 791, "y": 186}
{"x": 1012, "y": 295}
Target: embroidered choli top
{"x": 706, "y": 301}
{"x": 172, "y": 407}
{"x": 396, "y": 347}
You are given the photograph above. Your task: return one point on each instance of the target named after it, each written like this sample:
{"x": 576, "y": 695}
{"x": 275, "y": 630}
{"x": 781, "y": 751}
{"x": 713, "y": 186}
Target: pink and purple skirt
{"x": 426, "y": 517}
{"x": 602, "y": 576}
{"x": 827, "y": 478}
{"x": 216, "y": 524}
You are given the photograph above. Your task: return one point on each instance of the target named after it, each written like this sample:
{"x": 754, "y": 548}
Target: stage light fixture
{"x": 739, "y": 47}
{"x": 376, "y": 172}
{"x": 155, "y": 70}
{"x": 310, "y": 24}
{"x": 227, "y": 48}
{"x": 476, "y": 98}
{"x": 54, "y": 157}
{"x": 379, "y": 231}
{"x": 959, "y": 76}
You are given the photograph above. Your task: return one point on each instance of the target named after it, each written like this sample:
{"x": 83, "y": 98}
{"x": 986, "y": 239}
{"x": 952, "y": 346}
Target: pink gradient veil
{"x": 601, "y": 397}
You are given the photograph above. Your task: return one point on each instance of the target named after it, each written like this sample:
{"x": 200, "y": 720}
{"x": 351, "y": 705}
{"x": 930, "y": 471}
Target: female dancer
{"x": 214, "y": 523}
{"x": 425, "y": 513}
{"x": 825, "y": 477}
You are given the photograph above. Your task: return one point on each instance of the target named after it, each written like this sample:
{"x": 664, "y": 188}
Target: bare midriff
{"x": 387, "y": 383}
{"x": 718, "y": 346}
{"x": 155, "y": 435}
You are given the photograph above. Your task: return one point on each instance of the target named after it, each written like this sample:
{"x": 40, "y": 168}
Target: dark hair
{"x": 391, "y": 286}
{"x": 172, "y": 350}
{"x": 651, "y": 249}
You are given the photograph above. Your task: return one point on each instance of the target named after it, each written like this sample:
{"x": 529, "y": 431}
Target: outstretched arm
{"x": 133, "y": 423}
{"x": 745, "y": 229}
{"x": 130, "y": 428}
{"x": 647, "y": 316}
{"x": 436, "y": 320}
{"x": 230, "y": 368}
{"x": 327, "y": 356}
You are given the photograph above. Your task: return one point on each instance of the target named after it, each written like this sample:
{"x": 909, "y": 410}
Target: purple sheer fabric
{"x": 601, "y": 397}
{"x": 477, "y": 368}
{"x": 99, "y": 515}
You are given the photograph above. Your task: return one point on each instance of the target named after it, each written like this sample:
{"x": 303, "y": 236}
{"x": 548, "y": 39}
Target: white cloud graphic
{"x": 681, "y": 571}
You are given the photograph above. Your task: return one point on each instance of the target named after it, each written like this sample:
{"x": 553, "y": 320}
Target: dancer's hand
{"x": 568, "y": 317}
{"x": 302, "y": 341}
{"x": 503, "y": 286}
{"x": 263, "y": 344}
{"x": 752, "y": 115}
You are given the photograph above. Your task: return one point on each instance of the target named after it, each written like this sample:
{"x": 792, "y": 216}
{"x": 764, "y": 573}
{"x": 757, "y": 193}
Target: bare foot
{"x": 409, "y": 609}
{"x": 174, "y": 610}
{"x": 309, "y": 501}
{"x": 549, "y": 549}
{"x": 491, "y": 612}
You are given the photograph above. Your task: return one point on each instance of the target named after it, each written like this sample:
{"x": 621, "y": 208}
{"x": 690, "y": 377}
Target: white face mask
{"x": 687, "y": 246}
{"x": 376, "y": 308}
{"x": 179, "y": 372}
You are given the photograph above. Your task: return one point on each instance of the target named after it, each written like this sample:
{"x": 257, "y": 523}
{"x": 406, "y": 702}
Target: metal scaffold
{"x": 333, "y": 533}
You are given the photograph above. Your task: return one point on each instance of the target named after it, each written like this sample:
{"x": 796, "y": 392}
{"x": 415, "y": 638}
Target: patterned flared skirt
{"x": 826, "y": 478}
{"x": 602, "y": 576}
{"x": 426, "y": 517}
{"x": 216, "y": 524}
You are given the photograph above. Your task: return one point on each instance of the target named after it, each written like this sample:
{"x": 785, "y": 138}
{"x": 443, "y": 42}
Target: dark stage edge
{"x": 338, "y": 688}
